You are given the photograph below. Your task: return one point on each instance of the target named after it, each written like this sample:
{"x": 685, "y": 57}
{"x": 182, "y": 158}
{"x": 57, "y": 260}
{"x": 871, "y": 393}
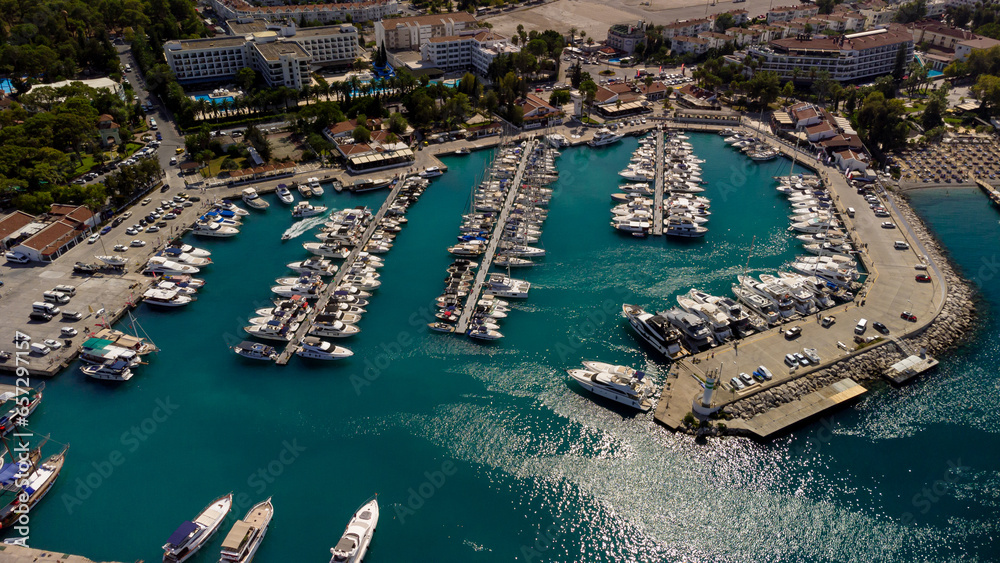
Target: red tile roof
{"x": 48, "y": 240}
{"x": 13, "y": 222}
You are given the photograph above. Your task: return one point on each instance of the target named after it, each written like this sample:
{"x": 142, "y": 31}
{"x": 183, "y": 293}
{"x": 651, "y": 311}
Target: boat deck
{"x": 491, "y": 248}
{"x": 306, "y": 325}
{"x": 658, "y": 186}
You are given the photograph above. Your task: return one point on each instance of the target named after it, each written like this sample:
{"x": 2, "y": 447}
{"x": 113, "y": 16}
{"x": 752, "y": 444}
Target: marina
{"x": 474, "y": 394}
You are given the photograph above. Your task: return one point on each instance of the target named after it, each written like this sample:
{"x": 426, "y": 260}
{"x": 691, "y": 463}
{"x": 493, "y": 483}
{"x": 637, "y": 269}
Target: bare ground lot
{"x": 595, "y": 17}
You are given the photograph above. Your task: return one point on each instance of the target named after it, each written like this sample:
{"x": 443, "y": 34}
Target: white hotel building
{"x": 284, "y": 55}
{"x": 471, "y": 51}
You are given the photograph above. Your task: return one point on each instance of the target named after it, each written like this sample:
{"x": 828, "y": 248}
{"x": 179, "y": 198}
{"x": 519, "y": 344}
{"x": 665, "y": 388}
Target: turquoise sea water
{"x": 485, "y": 452}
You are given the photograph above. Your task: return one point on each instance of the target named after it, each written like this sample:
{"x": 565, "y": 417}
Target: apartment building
{"x": 789, "y": 13}
{"x": 323, "y": 13}
{"x": 468, "y": 51}
{"x": 284, "y": 55}
{"x": 848, "y": 58}
{"x": 688, "y": 28}
{"x": 937, "y": 34}
{"x": 623, "y": 37}
{"x": 408, "y": 34}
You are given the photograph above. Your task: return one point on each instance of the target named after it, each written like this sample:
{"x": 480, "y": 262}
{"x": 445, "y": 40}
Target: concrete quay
{"x": 890, "y": 288}
{"x": 22, "y": 554}
{"x": 658, "y": 187}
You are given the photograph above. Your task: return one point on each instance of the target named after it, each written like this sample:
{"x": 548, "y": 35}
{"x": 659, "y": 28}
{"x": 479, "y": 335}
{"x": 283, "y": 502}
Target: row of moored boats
{"x": 756, "y": 149}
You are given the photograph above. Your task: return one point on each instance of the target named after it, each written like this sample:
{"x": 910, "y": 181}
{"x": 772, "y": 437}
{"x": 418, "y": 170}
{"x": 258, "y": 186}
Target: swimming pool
{"x": 6, "y": 86}
{"x": 934, "y": 73}
{"x": 218, "y": 100}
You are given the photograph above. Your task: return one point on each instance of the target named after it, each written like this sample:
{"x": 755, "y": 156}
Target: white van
{"x": 39, "y": 348}
{"x": 850, "y": 212}
{"x": 900, "y": 245}
{"x": 55, "y": 297}
{"x": 862, "y": 326}
{"x": 152, "y": 123}
{"x": 16, "y": 257}
{"x": 67, "y": 289}
{"x": 47, "y": 308}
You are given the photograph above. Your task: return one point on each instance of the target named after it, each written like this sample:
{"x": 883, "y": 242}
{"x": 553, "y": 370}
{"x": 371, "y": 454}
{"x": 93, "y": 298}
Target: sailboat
{"x": 22, "y": 490}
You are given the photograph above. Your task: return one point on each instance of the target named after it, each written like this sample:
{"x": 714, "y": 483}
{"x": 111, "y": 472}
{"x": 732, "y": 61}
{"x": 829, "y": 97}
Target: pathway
{"x": 658, "y": 189}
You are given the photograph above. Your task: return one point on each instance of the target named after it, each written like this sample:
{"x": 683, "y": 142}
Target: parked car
{"x": 908, "y": 316}
{"x": 923, "y": 278}
{"x": 146, "y": 201}
{"x": 827, "y": 322}
{"x": 137, "y": 243}
{"x": 153, "y": 229}
{"x": 106, "y": 230}
{"x": 737, "y": 384}
{"x": 94, "y": 238}
{"x": 793, "y": 332}
{"x": 888, "y": 225}
{"x": 880, "y": 327}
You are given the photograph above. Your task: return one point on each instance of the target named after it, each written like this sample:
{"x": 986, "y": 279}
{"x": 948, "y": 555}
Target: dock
{"x": 658, "y": 187}
{"x": 990, "y": 191}
{"x": 24, "y": 554}
{"x": 491, "y": 248}
{"x": 769, "y": 424}
{"x": 321, "y": 304}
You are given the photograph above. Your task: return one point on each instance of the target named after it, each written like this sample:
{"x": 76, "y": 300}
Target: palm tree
{"x": 306, "y": 93}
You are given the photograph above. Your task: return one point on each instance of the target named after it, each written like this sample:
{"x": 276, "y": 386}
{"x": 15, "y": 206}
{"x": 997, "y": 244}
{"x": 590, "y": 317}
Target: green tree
{"x": 398, "y": 123}
{"x": 987, "y": 90}
{"x": 245, "y": 78}
{"x": 559, "y": 98}
{"x": 787, "y": 91}
{"x": 911, "y": 11}
{"x": 880, "y": 123}
{"x": 724, "y": 21}
{"x": 931, "y": 117}
{"x": 361, "y": 134}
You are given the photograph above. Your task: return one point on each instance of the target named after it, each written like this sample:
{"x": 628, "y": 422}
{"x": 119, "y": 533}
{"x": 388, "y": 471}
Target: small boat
{"x": 242, "y": 541}
{"x": 165, "y": 298}
{"x": 272, "y": 330}
{"x": 314, "y": 185}
{"x": 192, "y": 250}
{"x": 255, "y": 351}
{"x": 367, "y": 185}
{"x": 111, "y": 370}
{"x": 335, "y": 329}
{"x": 113, "y": 260}
{"x": 251, "y": 198}
{"x": 441, "y": 327}
{"x": 483, "y": 333}
{"x": 431, "y": 172}
{"x": 462, "y": 151}
{"x": 303, "y": 209}
{"x": 191, "y": 536}
{"x": 353, "y": 545}
{"x": 305, "y": 190}
{"x": 313, "y": 265}
{"x": 317, "y": 349}
{"x": 284, "y": 194}
{"x": 215, "y": 230}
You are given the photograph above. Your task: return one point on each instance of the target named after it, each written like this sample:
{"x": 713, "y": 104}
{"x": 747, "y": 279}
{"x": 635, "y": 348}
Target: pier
{"x": 658, "y": 186}
{"x": 990, "y": 191}
{"x": 491, "y": 248}
{"x": 321, "y": 304}
{"x": 24, "y": 554}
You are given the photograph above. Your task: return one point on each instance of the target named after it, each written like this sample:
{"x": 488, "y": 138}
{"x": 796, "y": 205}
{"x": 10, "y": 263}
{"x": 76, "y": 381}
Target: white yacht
{"x": 304, "y": 190}
{"x": 717, "y": 320}
{"x": 110, "y": 370}
{"x": 604, "y": 137}
{"x": 758, "y": 304}
{"x": 638, "y": 175}
{"x": 803, "y": 299}
{"x": 335, "y": 329}
{"x": 655, "y": 330}
{"x": 165, "y": 298}
{"x": 192, "y": 250}
{"x": 481, "y": 332}
{"x": 678, "y": 226}
{"x": 317, "y": 349}
{"x": 635, "y": 390}
{"x": 303, "y": 209}
{"x": 255, "y": 351}
{"x": 251, "y": 198}
{"x": 162, "y": 265}
{"x": 315, "y": 186}
{"x": 353, "y": 545}
{"x": 177, "y": 255}
{"x": 242, "y": 541}
{"x": 431, "y": 172}
{"x": 313, "y": 265}
{"x": 284, "y": 194}
{"x": 694, "y": 329}
{"x": 778, "y": 294}
{"x": 739, "y": 320}
{"x": 191, "y": 536}
{"x": 327, "y": 250}
{"x": 503, "y": 286}
{"x": 216, "y": 230}
{"x": 273, "y": 330}
{"x": 556, "y": 141}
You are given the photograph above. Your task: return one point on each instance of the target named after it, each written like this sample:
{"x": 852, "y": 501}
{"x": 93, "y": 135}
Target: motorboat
{"x": 116, "y": 260}
{"x": 758, "y": 304}
{"x": 253, "y": 200}
{"x": 353, "y": 545}
{"x": 504, "y": 286}
{"x": 604, "y": 137}
{"x": 165, "y": 266}
{"x": 717, "y": 320}
{"x": 431, "y": 172}
{"x": 656, "y": 330}
{"x": 304, "y": 190}
{"x": 368, "y": 185}
{"x": 215, "y": 230}
{"x": 303, "y": 209}
{"x": 694, "y": 329}
{"x": 192, "y": 250}
{"x": 272, "y": 330}
{"x": 242, "y": 541}
{"x": 111, "y": 370}
{"x": 777, "y": 293}
{"x": 192, "y": 535}
{"x": 684, "y": 227}
{"x": 284, "y": 194}
{"x": 313, "y": 265}
{"x": 315, "y": 186}
{"x": 636, "y": 390}
{"x": 165, "y": 298}
{"x": 314, "y": 348}
{"x": 255, "y": 350}
{"x": 327, "y": 250}
{"x": 365, "y": 282}
{"x": 335, "y": 329}
{"x": 462, "y": 151}
{"x": 480, "y": 332}
{"x": 179, "y": 256}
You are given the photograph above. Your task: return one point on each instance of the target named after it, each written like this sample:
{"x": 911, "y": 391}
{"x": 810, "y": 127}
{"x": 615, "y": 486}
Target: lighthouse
{"x": 703, "y": 405}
